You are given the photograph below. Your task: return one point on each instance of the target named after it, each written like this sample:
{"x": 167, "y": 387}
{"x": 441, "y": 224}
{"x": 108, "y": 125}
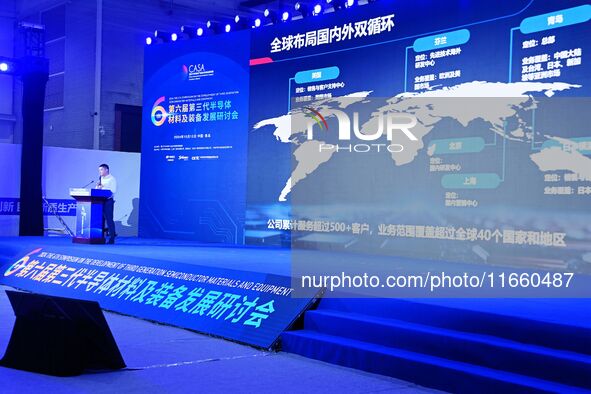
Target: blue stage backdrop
{"x": 194, "y": 139}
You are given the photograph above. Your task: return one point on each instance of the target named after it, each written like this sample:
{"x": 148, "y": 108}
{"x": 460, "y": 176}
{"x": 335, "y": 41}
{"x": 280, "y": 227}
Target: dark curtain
{"x": 34, "y": 74}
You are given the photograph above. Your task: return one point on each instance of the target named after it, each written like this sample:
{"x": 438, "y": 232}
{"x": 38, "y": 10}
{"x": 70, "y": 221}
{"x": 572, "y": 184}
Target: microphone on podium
{"x": 88, "y": 184}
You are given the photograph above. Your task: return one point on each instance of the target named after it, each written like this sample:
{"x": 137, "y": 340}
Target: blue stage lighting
{"x": 174, "y": 37}
{"x": 271, "y": 16}
{"x": 317, "y": 10}
{"x": 148, "y": 40}
{"x": 242, "y": 22}
{"x": 188, "y": 31}
{"x": 285, "y": 16}
{"x": 335, "y": 4}
{"x": 228, "y": 28}
{"x": 301, "y": 8}
{"x": 199, "y": 31}
{"x": 162, "y": 36}
{"x": 257, "y": 22}
{"x": 214, "y": 27}
{"x": 349, "y": 3}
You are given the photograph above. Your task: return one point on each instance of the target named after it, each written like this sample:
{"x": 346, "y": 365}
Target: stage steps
{"x": 451, "y": 349}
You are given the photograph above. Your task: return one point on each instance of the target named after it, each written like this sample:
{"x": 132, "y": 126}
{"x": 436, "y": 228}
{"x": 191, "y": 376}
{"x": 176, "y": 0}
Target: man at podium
{"x": 108, "y": 182}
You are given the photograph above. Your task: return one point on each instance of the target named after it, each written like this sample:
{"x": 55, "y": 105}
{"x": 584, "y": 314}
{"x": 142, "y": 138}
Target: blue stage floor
{"x": 163, "y": 359}
{"x": 267, "y": 260}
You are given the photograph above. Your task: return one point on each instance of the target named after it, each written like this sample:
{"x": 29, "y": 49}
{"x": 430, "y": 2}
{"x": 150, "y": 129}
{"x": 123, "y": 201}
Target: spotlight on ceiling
{"x": 199, "y": 31}
{"x": 317, "y": 10}
{"x": 285, "y": 16}
{"x": 270, "y": 16}
{"x": 350, "y": 3}
{"x": 257, "y": 22}
{"x": 188, "y": 31}
{"x": 302, "y": 9}
{"x": 228, "y": 28}
{"x": 148, "y": 40}
{"x": 335, "y": 4}
{"x": 241, "y": 22}
{"x": 8, "y": 66}
{"x": 174, "y": 37}
{"x": 214, "y": 27}
{"x": 162, "y": 36}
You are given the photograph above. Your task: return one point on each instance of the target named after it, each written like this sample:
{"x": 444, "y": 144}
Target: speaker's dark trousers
{"x": 108, "y": 209}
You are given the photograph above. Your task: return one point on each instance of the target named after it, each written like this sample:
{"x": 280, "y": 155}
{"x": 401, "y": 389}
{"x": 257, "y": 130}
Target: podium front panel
{"x": 89, "y": 220}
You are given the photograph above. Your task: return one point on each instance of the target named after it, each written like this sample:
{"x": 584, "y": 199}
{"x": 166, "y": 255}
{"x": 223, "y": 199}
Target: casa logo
{"x": 20, "y": 264}
{"x": 194, "y": 72}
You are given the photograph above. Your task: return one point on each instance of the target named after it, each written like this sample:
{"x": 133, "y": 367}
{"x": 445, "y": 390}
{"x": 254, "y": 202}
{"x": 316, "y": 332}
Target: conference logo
{"x": 20, "y": 264}
{"x": 389, "y": 124}
{"x": 159, "y": 113}
{"x": 194, "y": 72}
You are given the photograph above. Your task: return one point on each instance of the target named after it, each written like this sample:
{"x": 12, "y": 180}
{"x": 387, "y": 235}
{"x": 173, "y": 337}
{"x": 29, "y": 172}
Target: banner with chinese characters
{"x": 194, "y": 139}
{"x": 62, "y": 207}
{"x": 247, "y": 307}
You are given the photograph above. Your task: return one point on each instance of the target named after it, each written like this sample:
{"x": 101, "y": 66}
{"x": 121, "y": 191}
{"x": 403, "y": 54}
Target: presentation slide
{"x": 488, "y": 160}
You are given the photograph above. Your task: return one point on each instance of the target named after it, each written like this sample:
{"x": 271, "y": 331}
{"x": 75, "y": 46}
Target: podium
{"x": 89, "y": 215}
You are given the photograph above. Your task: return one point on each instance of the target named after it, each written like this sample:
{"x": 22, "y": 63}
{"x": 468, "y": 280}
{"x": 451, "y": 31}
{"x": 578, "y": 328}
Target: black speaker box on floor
{"x": 59, "y": 336}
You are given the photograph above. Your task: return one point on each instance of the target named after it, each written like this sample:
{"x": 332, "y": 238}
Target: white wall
{"x": 7, "y": 116}
{"x": 125, "y": 26}
{"x": 10, "y": 165}
{"x": 64, "y": 168}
